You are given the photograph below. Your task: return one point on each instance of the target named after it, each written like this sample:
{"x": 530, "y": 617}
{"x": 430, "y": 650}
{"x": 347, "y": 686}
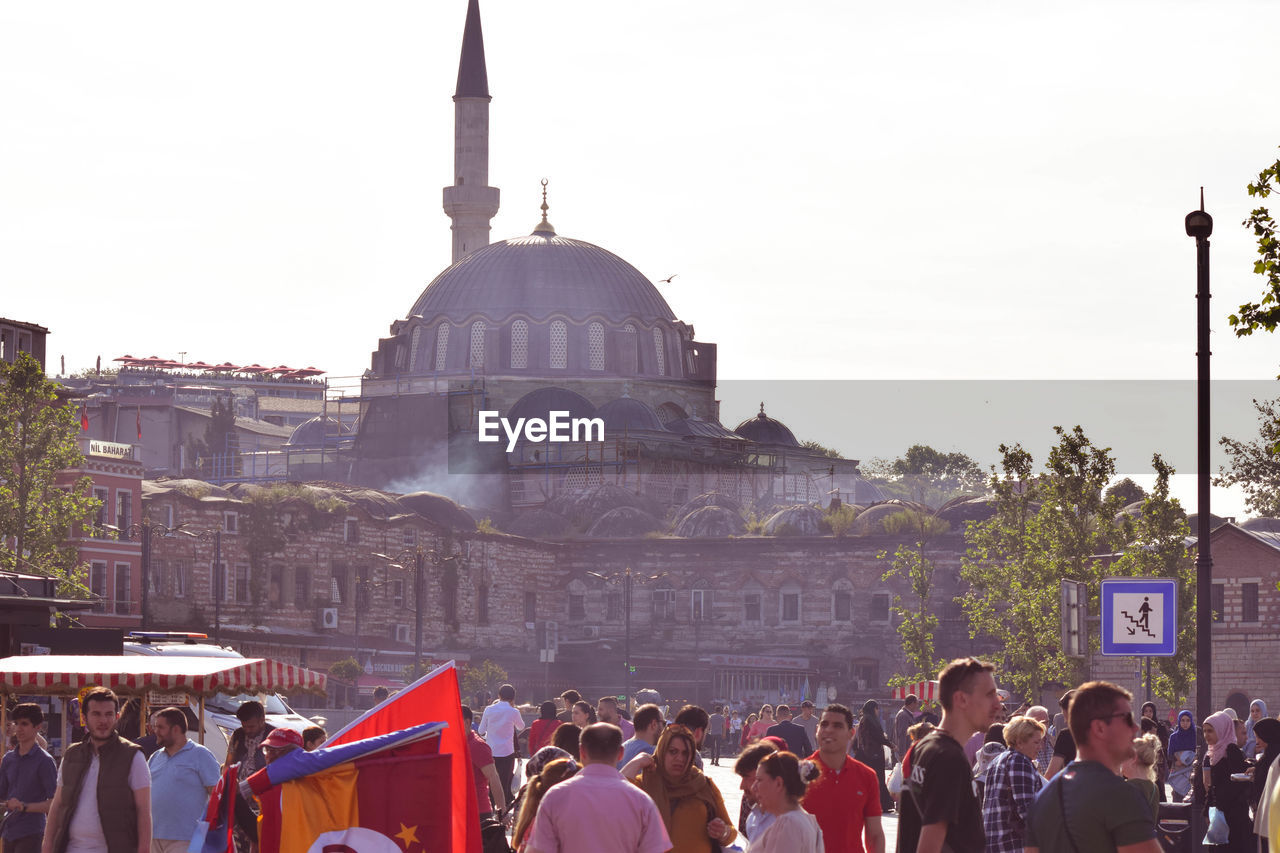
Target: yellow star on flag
{"x": 408, "y": 835}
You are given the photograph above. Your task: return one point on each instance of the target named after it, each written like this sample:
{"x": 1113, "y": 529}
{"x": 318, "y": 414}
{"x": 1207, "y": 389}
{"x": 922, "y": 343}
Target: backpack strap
{"x": 1062, "y": 805}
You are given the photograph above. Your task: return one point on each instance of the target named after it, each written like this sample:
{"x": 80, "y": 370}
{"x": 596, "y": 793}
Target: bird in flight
{"x": 667, "y": 280}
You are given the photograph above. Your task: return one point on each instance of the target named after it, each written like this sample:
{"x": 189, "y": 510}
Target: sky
{"x": 844, "y": 191}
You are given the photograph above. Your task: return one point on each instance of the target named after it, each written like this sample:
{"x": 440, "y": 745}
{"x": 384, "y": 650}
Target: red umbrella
{"x": 200, "y": 365}
{"x": 308, "y": 371}
{"x": 127, "y": 358}
{"x": 255, "y": 368}
{"x": 283, "y": 368}
{"x": 225, "y": 366}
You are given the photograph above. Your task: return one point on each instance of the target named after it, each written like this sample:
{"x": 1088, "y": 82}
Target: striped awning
{"x": 926, "y": 691}
{"x": 135, "y": 674}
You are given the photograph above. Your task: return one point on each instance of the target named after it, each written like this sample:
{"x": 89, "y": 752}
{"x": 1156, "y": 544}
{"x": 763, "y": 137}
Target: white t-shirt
{"x": 498, "y": 727}
{"x": 84, "y": 834}
{"x": 797, "y": 831}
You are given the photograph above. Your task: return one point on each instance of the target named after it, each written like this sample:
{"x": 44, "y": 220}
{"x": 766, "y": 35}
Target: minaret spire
{"x": 470, "y": 202}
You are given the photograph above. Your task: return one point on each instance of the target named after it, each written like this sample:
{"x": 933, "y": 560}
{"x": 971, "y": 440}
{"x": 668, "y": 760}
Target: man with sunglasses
{"x": 1103, "y": 812}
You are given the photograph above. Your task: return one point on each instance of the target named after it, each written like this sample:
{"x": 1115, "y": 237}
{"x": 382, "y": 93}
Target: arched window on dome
{"x": 519, "y": 344}
{"x": 442, "y": 345}
{"x": 559, "y": 345}
{"x": 660, "y": 347}
{"x": 477, "y": 343}
{"x": 413, "y": 347}
{"x": 628, "y": 351}
{"x": 595, "y": 346}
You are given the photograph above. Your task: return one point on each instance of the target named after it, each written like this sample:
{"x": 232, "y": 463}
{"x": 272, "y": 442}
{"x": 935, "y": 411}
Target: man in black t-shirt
{"x": 938, "y": 804}
{"x": 1064, "y": 746}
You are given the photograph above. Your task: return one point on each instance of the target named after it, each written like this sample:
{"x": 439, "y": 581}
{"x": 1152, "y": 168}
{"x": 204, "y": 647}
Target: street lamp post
{"x": 219, "y": 582}
{"x": 419, "y": 557}
{"x": 1200, "y": 225}
{"x": 627, "y": 578}
{"x": 145, "y": 529}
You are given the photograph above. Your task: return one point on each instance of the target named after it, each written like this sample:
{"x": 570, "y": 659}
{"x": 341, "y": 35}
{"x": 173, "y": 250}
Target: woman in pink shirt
{"x": 761, "y": 725}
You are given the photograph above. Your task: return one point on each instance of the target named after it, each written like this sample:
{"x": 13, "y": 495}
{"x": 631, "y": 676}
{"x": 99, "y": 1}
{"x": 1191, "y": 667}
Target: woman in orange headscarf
{"x": 690, "y": 804}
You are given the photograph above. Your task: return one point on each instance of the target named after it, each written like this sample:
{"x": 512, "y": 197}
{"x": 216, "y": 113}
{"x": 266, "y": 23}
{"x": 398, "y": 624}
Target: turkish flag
{"x": 84, "y": 418}
{"x": 139, "y": 421}
{"x": 435, "y": 696}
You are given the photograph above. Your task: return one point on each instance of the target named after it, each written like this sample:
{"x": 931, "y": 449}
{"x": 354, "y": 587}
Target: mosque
{"x": 542, "y": 323}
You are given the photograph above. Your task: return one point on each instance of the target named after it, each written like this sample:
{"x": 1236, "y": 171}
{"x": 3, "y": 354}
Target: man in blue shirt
{"x": 28, "y": 780}
{"x": 183, "y": 774}
{"x": 649, "y": 724}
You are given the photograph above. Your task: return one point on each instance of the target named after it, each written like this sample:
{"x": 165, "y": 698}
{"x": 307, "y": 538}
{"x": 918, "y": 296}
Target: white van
{"x": 220, "y": 709}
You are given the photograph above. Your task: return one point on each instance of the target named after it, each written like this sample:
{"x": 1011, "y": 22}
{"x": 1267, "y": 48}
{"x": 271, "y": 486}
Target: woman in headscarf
{"x": 869, "y": 742}
{"x": 1182, "y": 754}
{"x": 690, "y": 803}
{"x": 1257, "y": 711}
{"x": 1222, "y": 759}
{"x": 1266, "y": 775}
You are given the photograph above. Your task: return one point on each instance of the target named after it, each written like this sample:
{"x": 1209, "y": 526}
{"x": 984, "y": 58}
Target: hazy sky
{"x": 844, "y": 190}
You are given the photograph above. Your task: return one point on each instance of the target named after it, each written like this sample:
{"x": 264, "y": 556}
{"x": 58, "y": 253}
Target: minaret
{"x": 471, "y": 202}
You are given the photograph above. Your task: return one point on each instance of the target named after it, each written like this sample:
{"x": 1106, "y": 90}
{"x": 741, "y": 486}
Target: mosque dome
{"x": 628, "y": 415}
{"x": 763, "y": 429}
{"x": 542, "y": 402}
{"x": 542, "y": 275}
{"x": 315, "y": 431}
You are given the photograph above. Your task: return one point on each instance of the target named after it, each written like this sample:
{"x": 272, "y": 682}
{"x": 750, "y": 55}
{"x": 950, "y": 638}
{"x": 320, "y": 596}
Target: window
{"x": 482, "y": 604}
{"x": 659, "y": 347}
{"x": 123, "y": 593}
{"x": 866, "y": 674}
{"x": 1248, "y": 602}
{"x": 520, "y": 344}
{"x": 414, "y": 340}
{"x": 559, "y": 345}
{"x": 301, "y": 588}
{"x": 530, "y": 606}
{"x": 230, "y": 522}
{"x": 752, "y": 601}
{"x": 595, "y": 346}
{"x": 180, "y": 578}
{"x": 1217, "y": 601}
{"x": 98, "y": 585}
{"x": 790, "y": 605}
{"x": 103, "y": 516}
{"x": 242, "y": 583}
{"x": 664, "y": 605}
{"x": 477, "y": 343}
{"x": 577, "y": 601}
{"x": 880, "y": 607}
{"x": 219, "y": 577}
{"x": 442, "y": 345}
{"x": 166, "y": 515}
{"x": 338, "y": 593}
{"x": 700, "y": 601}
{"x": 124, "y": 512}
{"x": 843, "y": 606}
{"x": 410, "y": 538}
{"x": 613, "y": 607}
{"x": 275, "y": 589}
{"x": 396, "y": 591}
{"x": 351, "y": 531}
{"x": 155, "y": 577}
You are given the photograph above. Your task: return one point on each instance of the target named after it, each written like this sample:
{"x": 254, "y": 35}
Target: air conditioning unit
{"x": 328, "y": 618}
{"x": 402, "y": 633}
{"x": 591, "y": 632}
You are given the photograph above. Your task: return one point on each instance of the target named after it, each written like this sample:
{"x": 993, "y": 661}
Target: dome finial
{"x": 762, "y": 408}
{"x": 544, "y": 227}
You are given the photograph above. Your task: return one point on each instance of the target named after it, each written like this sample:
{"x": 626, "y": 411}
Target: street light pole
{"x": 221, "y": 583}
{"x": 1200, "y": 225}
{"x": 418, "y": 560}
{"x": 626, "y": 649}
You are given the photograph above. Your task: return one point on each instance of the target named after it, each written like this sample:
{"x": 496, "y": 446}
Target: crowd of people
{"x": 1091, "y": 778}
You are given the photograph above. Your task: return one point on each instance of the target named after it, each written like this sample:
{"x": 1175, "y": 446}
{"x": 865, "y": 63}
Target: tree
{"x": 1045, "y": 529}
{"x": 1255, "y": 465}
{"x": 484, "y": 677}
{"x": 917, "y": 621}
{"x": 1265, "y": 314}
{"x": 926, "y": 475}
{"x": 347, "y": 669}
{"x": 1128, "y": 490}
{"x": 829, "y": 452}
{"x": 37, "y": 440}
{"x": 1157, "y": 548}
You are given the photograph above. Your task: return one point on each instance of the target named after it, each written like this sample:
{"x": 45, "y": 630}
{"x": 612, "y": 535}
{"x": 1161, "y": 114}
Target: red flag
{"x": 139, "y": 421}
{"x": 84, "y": 418}
{"x": 435, "y": 696}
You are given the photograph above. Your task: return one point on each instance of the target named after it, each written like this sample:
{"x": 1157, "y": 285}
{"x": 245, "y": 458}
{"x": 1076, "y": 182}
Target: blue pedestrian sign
{"x": 1140, "y": 616}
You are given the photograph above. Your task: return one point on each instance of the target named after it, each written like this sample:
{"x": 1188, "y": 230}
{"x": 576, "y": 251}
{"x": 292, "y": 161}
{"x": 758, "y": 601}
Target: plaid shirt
{"x": 1045, "y": 755}
{"x": 1012, "y": 783}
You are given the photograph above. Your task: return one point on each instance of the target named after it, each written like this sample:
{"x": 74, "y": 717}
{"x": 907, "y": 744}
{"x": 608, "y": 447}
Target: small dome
{"x": 958, "y": 511}
{"x": 538, "y": 524}
{"x": 628, "y": 415}
{"x": 316, "y": 431}
{"x": 799, "y": 520}
{"x": 871, "y": 521}
{"x": 694, "y": 425}
{"x": 539, "y": 276}
{"x": 763, "y": 429}
{"x": 1262, "y": 524}
{"x": 624, "y": 522}
{"x": 706, "y": 499}
{"x": 584, "y": 506}
{"x": 540, "y": 403}
{"x": 711, "y": 522}
{"x": 439, "y": 509}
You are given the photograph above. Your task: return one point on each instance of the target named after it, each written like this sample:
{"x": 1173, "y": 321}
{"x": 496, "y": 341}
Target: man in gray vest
{"x": 103, "y": 799}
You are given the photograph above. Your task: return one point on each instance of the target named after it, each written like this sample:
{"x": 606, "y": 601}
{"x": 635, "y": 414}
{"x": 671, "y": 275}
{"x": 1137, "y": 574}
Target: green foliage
{"x": 841, "y": 518}
{"x": 1045, "y": 529}
{"x": 483, "y": 677}
{"x": 1157, "y": 548}
{"x": 917, "y": 621}
{"x": 829, "y": 452}
{"x": 926, "y": 475}
{"x": 347, "y": 669}
{"x": 92, "y": 373}
{"x": 1255, "y": 465}
{"x": 1127, "y": 490}
{"x": 485, "y": 525}
{"x": 37, "y": 440}
{"x": 1265, "y": 314}
{"x": 413, "y": 672}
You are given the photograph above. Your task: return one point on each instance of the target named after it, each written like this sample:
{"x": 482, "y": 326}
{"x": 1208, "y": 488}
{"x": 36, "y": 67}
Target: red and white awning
{"x": 926, "y": 691}
{"x": 133, "y": 674}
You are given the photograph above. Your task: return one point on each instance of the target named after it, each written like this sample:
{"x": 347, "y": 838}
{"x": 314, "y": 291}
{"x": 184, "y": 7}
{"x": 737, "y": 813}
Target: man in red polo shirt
{"x": 846, "y": 797}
